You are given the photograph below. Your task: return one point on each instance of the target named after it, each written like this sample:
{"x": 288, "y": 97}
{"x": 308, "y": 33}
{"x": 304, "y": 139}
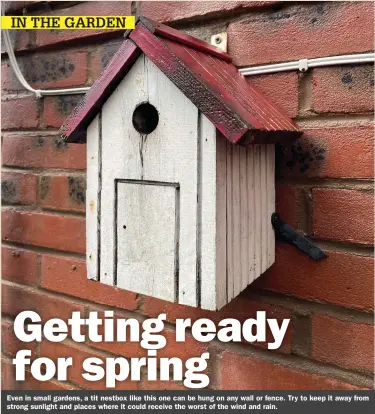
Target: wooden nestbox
{"x": 180, "y": 170}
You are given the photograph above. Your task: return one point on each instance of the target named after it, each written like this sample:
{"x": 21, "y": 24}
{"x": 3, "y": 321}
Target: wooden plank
{"x": 264, "y": 208}
{"x": 251, "y": 213}
{"x": 208, "y": 226}
{"x": 93, "y": 199}
{"x": 271, "y": 201}
{"x": 244, "y": 218}
{"x": 120, "y": 157}
{"x": 146, "y": 229}
{"x": 221, "y": 220}
{"x": 236, "y": 220}
{"x": 170, "y": 154}
{"x": 257, "y": 211}
{"x": 230, "y": 232}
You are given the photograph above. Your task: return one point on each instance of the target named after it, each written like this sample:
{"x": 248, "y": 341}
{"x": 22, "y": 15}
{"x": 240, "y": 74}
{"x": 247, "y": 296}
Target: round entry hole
{"x": 145, "y": 118}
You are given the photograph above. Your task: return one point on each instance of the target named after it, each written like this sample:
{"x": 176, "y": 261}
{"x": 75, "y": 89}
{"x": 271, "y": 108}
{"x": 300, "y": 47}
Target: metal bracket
{"x": 303, "y": 65}
{"x": 285, "y": 233}
{"x": 220, "y": 40}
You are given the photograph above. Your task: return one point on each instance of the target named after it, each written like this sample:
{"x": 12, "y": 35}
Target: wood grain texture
{"x": 120, "y": 157}
{"x": 207, "y": 188}
{"x": 170, "y": 153}
{"x": 271, "y": 200}
{"x": 229, "y": 223}
{"x": 93, "y": 199}
{"x": 221, "y": 221}
{"x": 146, "y": 238}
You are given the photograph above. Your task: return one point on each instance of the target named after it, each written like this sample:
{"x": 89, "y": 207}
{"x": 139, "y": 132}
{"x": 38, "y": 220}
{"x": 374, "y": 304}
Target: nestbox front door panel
{"x": 147, "y": 229}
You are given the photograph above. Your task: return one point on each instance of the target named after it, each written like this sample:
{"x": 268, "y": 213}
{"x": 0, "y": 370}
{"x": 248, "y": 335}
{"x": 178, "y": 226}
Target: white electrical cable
{"x": 304, "y": 64}
{"x": 38, "y": 92}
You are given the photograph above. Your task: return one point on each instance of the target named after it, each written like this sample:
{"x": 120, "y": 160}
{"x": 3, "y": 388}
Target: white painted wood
{"x": 257, "y": 211}
{"x": 146, "y": 237}
{"x": 236, "y": 214}
{"x": 244, "y": 219}
{"x": 271, "y": 202}
{"x": 221, "y": 221}
{"x": 120, "y": 156}
{"x": 230, "y": 226}
{"x": 200, "y": 209}
{"x": 93, "y": 199}
{"x": 211, "y": 278}
{"x": 251, "y": 213}
{"x": 171, "y": 154}
{"x": 264, "y": 208}
{"x": 168, "y": 154}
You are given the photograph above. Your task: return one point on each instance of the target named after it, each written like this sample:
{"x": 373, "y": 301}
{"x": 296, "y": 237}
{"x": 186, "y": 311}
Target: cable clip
{"x": 303, "y": 65}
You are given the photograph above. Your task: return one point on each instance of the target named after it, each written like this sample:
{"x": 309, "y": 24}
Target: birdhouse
{"x": 180, "y": 170}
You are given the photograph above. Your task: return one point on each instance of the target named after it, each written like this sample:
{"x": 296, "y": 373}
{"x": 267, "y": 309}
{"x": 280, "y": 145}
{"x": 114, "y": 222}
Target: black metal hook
{"x": 287, "y": 234}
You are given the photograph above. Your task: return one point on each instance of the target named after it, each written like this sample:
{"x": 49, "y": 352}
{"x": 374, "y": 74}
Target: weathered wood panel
{"x": 93, "y": 156}
{"x": 170, "y": 153}
{"x": 211, "y": 278}
{"x": 199, "y": 207}
{"x": 250, "y": 201}
{"x": 146, "y": 237}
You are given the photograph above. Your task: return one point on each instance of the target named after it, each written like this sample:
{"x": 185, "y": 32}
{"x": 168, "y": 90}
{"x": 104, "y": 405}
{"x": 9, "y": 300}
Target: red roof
{"x": 205, "y": 74}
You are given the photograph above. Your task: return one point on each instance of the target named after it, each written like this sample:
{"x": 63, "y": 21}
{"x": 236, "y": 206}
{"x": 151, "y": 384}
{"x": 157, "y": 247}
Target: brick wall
{"x": 324, "y": 188}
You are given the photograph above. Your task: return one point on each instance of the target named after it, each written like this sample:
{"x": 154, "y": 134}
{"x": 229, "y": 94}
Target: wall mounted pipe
{"x": 17, "y": 71}
{"x": 302, "y": 65}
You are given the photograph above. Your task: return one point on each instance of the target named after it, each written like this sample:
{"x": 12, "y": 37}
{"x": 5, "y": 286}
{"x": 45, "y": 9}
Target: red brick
{"x": 19, "y": 112}
{"x": 57, "y": 109}
{"x": 63, "y": 193}
{"x": 30, "y": 383}
{"x": 281, "y": 88}
{"x": 19, "y": 265}
{"x": 240, "y": 372}
{"x": 49, "y": 70}
{"x": 55, "y": 232}
{"x": 302, "y": 31}
{"x": 101, "y": 57}
{"x": 9, "y": 82}
{"x": 343, "y": 89}
{"x": 79, "y": 354}
{"x": 344, "y": 215}
{"x": 69, "y": 276}
{"x": 12, "y": 6}
{"x": 287, "y": 197}
{"x": 105, "y": 8}
{"x": 330, "y": 280}
{"x": 16, "y": 299}
{"x": 161, "y": 385}
{"x": 339, "y": 152}
{"x": 20, "y": 39}
{"x": 18, "y": 188}
{"x": 172, "y": 11}
{"x": 242, "y": 307}
{"x": 350, "y": 345}
{"x": 7, "y": 380}
{"x": 42, "y": 152}
{"x": 10, "y": 344}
